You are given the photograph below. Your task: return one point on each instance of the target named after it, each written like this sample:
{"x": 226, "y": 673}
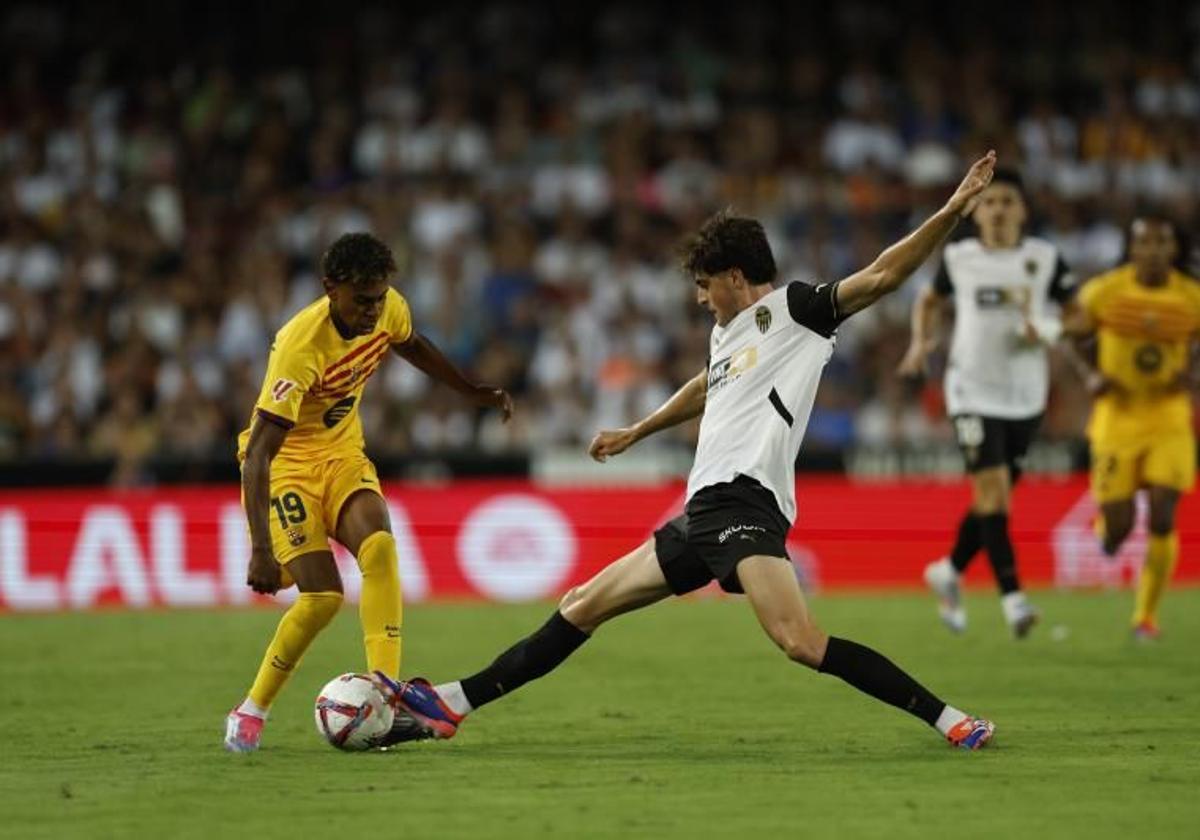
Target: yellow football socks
{"x": 298, "y": 627}
{"x": 1162, "y": 553}
{"x": 379, "y": 605}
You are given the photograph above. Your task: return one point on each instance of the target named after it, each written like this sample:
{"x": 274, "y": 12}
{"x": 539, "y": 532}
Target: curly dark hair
{"x": 726, "y": 241}
{"x": 1187, "y": 256}
{"x": 357, "y": 258}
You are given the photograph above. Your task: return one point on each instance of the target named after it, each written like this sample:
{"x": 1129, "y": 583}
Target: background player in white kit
{"x": 1006, "y": 289}
{"x": 767, "y": 351}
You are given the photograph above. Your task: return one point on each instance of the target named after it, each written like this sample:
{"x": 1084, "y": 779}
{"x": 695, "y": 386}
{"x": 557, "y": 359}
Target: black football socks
{"x": 549, "y": 646}
{"x": 875, "y": 674}
{"x": 993, "y": 530}
{"x": 967, "y": 543}
{"x": 534, "y": 656}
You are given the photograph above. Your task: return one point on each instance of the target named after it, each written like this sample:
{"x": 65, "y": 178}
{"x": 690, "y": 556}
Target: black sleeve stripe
{"x": 275, "y": 418}
{"x": 777, "y": 404}
{"x": 1062, "y": 285}
{"x": 941, "y": 281}
{"x": 814, "y": 307}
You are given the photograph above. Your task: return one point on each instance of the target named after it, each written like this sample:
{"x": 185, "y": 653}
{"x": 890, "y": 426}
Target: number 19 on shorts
{"x": 289, "y": 508}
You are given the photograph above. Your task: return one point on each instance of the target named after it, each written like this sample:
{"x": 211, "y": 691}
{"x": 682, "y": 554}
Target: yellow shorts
{"x": 306, "y": 501}
{"x": 1120, "y": 469}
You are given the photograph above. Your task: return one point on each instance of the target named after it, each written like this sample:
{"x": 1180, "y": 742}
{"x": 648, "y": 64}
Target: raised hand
{"x": 977, "y": 178}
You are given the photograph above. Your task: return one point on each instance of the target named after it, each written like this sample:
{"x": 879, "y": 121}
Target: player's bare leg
{"x": 778, "y": 601}
{"x": 362, "y": 515}
{"x": 773, "y": 591}
{"x": 1116, "y": 524}
{"x": 630, "y": 583}
{"x": 316, "y": 576}
{"x": 1162, "y": 555}
{"x": 634, "y": 581}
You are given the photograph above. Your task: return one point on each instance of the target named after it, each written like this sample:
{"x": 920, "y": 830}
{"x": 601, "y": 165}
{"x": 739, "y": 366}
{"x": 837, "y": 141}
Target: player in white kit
{"x": 768, "y": 348}
{"x": 1006, "y": 291}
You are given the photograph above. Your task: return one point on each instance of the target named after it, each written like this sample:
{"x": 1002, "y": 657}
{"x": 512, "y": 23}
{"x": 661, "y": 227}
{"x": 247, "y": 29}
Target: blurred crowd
{"x": 170, "y": 176}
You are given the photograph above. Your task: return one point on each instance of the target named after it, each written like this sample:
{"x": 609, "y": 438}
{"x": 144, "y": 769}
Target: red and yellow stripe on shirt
{"x": 315, "y": 380}
{"x": 1144, "y": 335}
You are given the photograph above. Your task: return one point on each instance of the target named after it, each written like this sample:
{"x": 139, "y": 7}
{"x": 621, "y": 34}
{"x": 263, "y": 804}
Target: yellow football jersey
{"x": 315, "y": 380}
{"x": 1144, "y": 335}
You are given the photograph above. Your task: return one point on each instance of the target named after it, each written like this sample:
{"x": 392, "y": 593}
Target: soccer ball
{"x": 352, "y": 713}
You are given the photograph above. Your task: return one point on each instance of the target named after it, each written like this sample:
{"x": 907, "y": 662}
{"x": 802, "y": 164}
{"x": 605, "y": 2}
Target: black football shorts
{"x": 992, "y": 441}
{"x": 722, "y": 525}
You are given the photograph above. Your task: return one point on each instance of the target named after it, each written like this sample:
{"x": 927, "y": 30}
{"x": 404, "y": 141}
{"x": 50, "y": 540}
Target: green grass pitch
{"x": 680, "y": 721}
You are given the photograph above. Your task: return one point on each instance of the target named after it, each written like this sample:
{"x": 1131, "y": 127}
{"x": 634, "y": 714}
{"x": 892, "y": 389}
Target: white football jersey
{"x": 763, "y": 371}
{"x": 993, "y": 370}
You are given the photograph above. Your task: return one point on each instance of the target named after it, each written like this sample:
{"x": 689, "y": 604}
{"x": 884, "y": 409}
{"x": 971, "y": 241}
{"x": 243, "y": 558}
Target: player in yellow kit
{"x": 306, "y": 479}
{"x": 1145, "y": 316}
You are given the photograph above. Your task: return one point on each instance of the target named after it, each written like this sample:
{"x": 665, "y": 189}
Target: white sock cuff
{"x": 453, "y": 696}
{"x": 949, "y": 718}
{"x": 249, "y": 707}
{"x": 1014, "y": 605}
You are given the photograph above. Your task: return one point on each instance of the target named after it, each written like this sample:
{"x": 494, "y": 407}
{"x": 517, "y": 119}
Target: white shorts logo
{"x": 969, "y": 429}
{"x": 739, "y": 529}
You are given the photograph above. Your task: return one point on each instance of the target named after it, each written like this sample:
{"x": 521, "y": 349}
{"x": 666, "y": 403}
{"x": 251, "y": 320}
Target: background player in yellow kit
{"x": 1145, "y": 316}
{"x": 305, "y": 477}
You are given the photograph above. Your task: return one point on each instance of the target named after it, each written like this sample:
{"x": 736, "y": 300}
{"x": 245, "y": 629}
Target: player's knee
{"x": 1162, "y": 521}
{"x": 319, "y": 608}
{"x": 805, "y": 652}
{"x": 990, "y": 495}
{"x": 575, "y": 607}
{"x": 802, "y": 643}
{"x": 1117, "y": 527}
{"x": 377, "y": 555}
{"x": 1162, "y": 511}
{"x": 588, "y": 606}
{"x": 568, "y": 600}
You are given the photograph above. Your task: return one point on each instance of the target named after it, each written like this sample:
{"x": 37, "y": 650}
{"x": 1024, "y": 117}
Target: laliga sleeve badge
{"x": 281, "y": 389}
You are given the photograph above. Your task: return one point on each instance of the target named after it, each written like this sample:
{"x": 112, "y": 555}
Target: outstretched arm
{"x": 896, "y": 264}
{"x": 684, "y": 404}
{"x": 421, "y": 353}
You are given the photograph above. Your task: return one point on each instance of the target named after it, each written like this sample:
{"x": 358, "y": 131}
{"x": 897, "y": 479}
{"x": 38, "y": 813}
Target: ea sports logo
{"x": 338, "y": 411}
{"x": 514, "y": 547}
